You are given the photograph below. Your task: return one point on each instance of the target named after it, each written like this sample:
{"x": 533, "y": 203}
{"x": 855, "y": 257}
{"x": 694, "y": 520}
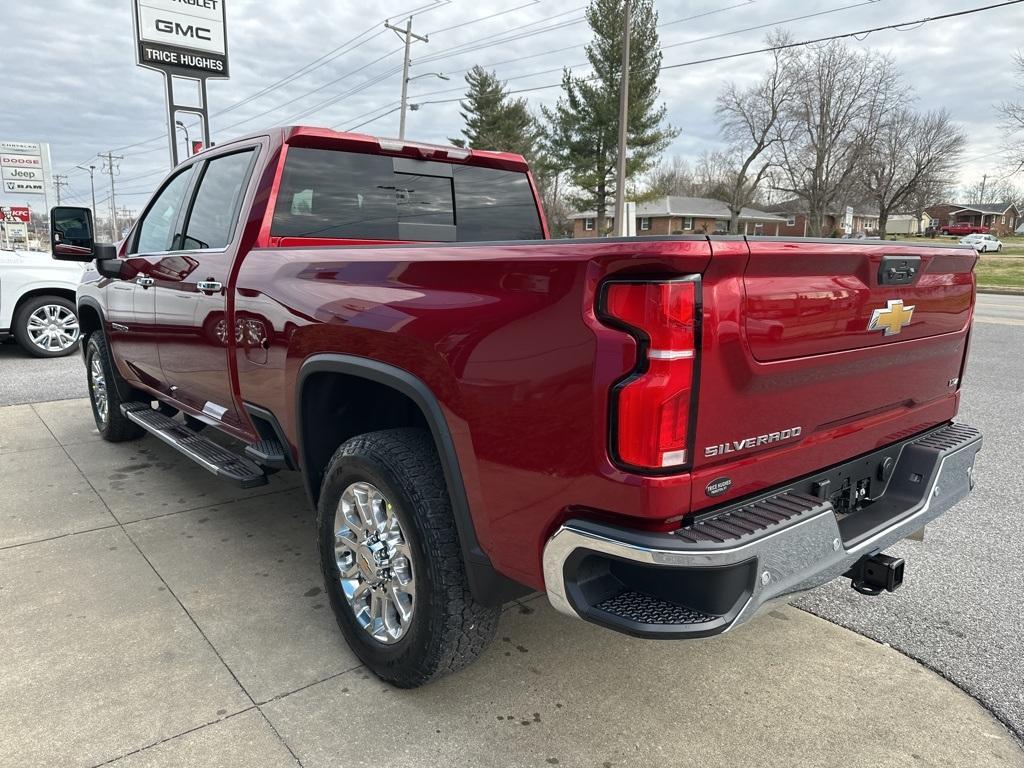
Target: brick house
{"x": 797, "y": 224}
{"x": 1001, "y": 218}
{"x": 674, "y": 215}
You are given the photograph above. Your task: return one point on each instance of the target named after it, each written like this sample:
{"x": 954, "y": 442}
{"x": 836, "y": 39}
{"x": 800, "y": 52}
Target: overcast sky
{"x": 70, "y": 79}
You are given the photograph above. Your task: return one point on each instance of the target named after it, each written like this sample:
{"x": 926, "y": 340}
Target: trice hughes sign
{"x": 186, "y": 37}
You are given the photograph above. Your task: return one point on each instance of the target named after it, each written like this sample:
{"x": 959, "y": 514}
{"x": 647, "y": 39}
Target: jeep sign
{"x": 186, "y": 37}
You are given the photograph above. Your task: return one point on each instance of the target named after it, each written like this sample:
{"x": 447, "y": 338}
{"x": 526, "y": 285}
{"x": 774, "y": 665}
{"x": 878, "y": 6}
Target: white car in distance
{"x": 982, "y": 243}
{"x": 37, "y": 302}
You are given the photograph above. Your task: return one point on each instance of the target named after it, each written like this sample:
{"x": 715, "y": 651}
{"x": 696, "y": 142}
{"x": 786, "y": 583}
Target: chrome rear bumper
{"x": 715, "y": 574}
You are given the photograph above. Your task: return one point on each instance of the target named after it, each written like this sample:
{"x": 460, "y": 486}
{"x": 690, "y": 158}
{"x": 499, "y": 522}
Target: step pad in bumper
{"x": 211, "y": 456}
{"x": 648, "y": 609}
{"x": 761, "y": 515}
{"x": 716, "y": 572}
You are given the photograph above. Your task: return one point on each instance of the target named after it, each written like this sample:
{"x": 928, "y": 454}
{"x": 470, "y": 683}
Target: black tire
{"x": 21, "y": 325}
{"x": 114, "y": 427}
{"x": 448, "y": 628}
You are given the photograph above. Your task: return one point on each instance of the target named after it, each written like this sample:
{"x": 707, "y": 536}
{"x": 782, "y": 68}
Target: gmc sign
{"x": 185, "y": 37}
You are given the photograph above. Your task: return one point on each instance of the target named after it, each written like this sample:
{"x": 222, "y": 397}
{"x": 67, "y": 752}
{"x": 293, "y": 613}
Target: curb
{"x": 1002, "y": 290}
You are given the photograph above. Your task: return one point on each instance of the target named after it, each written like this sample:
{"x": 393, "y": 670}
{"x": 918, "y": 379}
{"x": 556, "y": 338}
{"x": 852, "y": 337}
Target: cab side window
{"x": 155, "y": 230}
{"x": 214, "y": 213}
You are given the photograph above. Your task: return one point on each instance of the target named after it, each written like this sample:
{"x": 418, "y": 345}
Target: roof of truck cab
{"x": 325, "y": 138}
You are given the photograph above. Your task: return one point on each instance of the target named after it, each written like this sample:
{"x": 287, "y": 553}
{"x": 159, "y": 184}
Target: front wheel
{"x": 392, "y": 563}
{"x": 47, "y": 326}
{"x": 113, "y": 426}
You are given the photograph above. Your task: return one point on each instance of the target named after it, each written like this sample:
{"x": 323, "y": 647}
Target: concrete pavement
{"x": 154, "y": 617}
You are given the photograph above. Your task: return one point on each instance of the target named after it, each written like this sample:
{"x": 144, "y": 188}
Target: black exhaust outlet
{"x": 874, "y": 573}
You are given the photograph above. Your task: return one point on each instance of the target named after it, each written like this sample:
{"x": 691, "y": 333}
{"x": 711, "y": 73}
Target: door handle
{"x": 209, "y": 287}
{"x": 144, "y": 281}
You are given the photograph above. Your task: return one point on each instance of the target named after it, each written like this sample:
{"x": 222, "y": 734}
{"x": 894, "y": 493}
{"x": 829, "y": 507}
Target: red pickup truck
{"x": 663, "y": 433}
{"x": 962, "y": 228}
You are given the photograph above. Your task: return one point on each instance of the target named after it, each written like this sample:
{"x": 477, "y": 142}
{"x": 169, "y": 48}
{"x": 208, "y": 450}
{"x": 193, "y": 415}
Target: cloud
{"x": 70, "y": 78}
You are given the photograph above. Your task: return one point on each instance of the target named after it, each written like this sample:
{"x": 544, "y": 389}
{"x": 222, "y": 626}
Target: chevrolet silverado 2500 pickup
{"x": 663, "y": 433}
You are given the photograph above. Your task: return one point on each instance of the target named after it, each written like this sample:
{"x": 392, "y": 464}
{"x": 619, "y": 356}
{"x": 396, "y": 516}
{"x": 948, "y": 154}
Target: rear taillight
{"x": 651, "y": 407}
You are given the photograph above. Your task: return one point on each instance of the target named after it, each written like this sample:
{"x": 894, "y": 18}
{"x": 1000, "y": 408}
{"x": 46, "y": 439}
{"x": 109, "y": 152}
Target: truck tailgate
{"x": 814, "y": 353}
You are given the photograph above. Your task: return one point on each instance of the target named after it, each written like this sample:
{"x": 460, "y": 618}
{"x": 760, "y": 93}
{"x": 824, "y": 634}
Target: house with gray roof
{"x": 675, "y": 215}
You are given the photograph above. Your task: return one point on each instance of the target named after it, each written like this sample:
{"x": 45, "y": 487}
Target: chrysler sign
{"x": 187, "y": 37}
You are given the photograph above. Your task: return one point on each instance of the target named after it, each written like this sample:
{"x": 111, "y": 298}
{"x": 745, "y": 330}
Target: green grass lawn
{"x": 1000, "y": 271}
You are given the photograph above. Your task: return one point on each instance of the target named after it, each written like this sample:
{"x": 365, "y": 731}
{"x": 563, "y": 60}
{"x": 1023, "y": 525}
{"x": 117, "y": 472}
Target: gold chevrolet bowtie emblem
{"x": 893, "y": 319}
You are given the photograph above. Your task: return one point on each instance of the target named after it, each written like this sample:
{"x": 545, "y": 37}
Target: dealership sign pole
{"x": 186, "y": 40}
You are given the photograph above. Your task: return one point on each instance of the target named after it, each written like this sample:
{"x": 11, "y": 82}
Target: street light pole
{"x": 408, "y": 35}
{"x": 92, "y": 187}
{"x": 188, "y": 144}
{"x": 620, "y": 171}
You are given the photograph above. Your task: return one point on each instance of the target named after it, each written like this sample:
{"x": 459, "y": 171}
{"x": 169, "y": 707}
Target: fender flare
{"x": 487, "y": 585}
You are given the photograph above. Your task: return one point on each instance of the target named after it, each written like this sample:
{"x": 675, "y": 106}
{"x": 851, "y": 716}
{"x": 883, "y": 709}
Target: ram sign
{"x": 22, "y": 170}
{"x": 186, "y": 37}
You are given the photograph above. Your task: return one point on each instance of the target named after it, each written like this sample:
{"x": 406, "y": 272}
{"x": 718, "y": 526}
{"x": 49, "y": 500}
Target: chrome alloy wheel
{"x": 374, "y": 562}
{"x": 98, "y": 388}
{"x": 53, "y": 328}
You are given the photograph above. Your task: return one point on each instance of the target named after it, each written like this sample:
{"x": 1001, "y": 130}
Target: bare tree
{"x": 928, "y": 194}
{"x": 753, "y": 120}
{"x": 841, "y": 99}
{"x": 992, "y": 190}
{"x": 670, "y": 177}
{"x": 1013, "y": 123}
{"x": 911, "y": 150}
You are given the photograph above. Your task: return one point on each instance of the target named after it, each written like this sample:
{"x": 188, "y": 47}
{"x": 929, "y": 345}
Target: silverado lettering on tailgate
{"x": 751, "y": 442}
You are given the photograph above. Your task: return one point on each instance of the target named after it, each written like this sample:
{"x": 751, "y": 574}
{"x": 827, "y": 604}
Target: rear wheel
{"x": 392, "y": 563}
{"x": 112, "y": 425}
{"x": 47, "y": 326}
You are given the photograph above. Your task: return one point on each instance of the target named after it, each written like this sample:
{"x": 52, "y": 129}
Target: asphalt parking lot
{"x": 156, "y": 616}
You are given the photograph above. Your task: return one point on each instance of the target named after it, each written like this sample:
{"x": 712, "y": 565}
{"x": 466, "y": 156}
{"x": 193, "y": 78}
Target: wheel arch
{"x": 90, "y": 318}
{"x": 63, "y": 293}
{"x": 328, "y": 380}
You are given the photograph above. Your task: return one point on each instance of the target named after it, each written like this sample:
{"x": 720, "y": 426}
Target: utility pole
{"x": 110, "y": 171}
{"x": 59, "y": 180}
{"x": 620, "y": 171}
{"x": 408, "y": 35}
{"x": 92, "y": 188}
{"x": 984, "y": 180}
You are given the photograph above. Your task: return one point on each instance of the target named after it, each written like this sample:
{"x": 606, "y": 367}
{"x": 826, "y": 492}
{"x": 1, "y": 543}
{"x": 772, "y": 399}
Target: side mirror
{"x": 71, "y": 234}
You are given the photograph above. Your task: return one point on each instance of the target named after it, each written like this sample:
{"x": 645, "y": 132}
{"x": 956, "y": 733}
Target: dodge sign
{"x": 187, "y": 37}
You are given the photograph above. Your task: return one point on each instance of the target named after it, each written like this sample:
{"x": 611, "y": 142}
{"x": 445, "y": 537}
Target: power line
{"x": 59, "y": 180}
{"x": 481, "y": 18}
{"x": 112, "y": 170}
{"x": 408, "y": 36}
{"x": 380, "y": 77}
{"x": 306, "y": 69}
{"x": 665, "y": 24}
{"x": 768, "y": 49}
{"x": 582, "y": 45}
{"x": 865, "y": 32}
{"x": 801, "y": 17}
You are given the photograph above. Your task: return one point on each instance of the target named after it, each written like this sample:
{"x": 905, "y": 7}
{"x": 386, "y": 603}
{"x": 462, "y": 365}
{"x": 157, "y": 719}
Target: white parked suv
{"x": 37, "y": 302}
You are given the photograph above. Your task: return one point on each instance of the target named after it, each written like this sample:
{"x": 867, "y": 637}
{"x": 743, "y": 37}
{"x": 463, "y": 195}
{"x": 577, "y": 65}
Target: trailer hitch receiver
{"x": 874, "y": 573}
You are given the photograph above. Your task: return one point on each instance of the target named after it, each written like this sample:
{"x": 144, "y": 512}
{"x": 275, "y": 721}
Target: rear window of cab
{"x": 345, "y": 195}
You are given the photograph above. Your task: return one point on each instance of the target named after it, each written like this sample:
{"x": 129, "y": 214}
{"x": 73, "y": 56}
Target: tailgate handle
{"x": 898, "y": 270}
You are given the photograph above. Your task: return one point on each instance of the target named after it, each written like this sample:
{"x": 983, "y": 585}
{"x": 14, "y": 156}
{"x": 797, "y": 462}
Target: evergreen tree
{"x": 582, "y": 133}
{"x": 493, "y": 120}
